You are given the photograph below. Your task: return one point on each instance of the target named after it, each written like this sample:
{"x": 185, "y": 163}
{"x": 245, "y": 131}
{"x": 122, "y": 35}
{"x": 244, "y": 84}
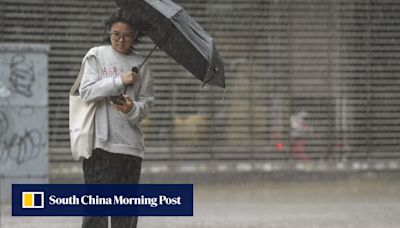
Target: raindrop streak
{"x": 220, "y": 116}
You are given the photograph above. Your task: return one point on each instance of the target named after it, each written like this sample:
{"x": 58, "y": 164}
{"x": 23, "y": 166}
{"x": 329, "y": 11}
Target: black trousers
{"x": 109, "y": 168}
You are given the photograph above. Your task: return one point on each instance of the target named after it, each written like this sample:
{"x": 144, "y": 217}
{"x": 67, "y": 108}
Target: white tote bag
{"x": 81, "y": 122}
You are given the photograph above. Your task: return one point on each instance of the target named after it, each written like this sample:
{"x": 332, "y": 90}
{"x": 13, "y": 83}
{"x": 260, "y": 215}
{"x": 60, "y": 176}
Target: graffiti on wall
{"x": 23, "y": 115}
{"x": 19, "y": 147}
{"x": 22, "y": 75}
{"x": 23, "y": 106}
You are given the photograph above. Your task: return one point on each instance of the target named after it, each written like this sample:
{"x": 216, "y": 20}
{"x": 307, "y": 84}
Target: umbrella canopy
{"x": 180, "y": 36}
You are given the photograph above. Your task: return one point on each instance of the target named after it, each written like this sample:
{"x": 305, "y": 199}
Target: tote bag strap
{"x": 78, "y": 80}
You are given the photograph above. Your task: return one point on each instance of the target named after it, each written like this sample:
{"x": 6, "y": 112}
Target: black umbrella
{"x": 180, "y": 36}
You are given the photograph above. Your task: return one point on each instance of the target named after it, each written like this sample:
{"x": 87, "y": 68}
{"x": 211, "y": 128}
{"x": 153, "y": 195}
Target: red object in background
{"x": 279, "y": 146}
{"x": 276, "y": 140}
{"x": 298, "y": 150}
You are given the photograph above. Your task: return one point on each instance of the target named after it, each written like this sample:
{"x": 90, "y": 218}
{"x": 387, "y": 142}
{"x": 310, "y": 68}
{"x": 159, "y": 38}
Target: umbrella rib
{"x": 205, "y": 83}
{"x": 165, "y": 36}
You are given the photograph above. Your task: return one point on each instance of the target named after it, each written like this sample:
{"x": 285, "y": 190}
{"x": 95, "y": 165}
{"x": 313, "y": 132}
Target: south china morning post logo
{"x": 32, "y": 200}
{"x": 116, "y": 200}
{"x": 102, "y": 200}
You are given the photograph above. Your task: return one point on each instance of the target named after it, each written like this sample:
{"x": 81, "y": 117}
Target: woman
{"x": 118, "y": 143}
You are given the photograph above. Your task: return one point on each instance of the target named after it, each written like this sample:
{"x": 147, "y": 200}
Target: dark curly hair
{"x": 121, "y": 16}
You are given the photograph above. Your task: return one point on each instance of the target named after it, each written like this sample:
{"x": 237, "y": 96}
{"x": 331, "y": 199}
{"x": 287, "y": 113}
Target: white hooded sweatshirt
{"x": 115, "y": 131}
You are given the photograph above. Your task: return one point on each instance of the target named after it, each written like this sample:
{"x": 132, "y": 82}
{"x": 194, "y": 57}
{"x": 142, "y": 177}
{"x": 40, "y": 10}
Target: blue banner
{"x": 102, "y": 199}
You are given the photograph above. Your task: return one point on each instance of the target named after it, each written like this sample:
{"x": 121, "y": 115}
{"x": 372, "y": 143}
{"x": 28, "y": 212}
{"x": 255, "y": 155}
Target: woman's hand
{"x": 125, "y": 107}
{"x": 129, "y": 78}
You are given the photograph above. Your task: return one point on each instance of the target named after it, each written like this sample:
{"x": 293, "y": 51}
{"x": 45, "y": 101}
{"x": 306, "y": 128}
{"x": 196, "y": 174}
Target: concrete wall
{"x": 23, "y": 115}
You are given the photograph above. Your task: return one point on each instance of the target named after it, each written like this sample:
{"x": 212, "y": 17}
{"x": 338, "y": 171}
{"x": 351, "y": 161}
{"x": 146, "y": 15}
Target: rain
{"x": 304, "y": 134}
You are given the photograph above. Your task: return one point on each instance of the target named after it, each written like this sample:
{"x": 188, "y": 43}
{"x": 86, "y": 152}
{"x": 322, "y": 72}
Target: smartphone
{"x": 119, "y": 99}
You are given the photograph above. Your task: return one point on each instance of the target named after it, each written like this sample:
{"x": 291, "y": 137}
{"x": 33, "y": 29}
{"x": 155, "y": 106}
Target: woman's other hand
{"x": 125, "y": 107}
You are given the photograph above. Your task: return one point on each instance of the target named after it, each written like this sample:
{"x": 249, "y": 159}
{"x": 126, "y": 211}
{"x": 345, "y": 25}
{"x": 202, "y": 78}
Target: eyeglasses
{"x": 117, "y": 35}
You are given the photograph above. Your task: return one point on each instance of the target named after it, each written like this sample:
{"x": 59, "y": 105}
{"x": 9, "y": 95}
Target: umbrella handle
{"x": 134, "y": 69}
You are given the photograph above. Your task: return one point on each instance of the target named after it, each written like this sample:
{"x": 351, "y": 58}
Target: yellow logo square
{"x": 32, "y": 199}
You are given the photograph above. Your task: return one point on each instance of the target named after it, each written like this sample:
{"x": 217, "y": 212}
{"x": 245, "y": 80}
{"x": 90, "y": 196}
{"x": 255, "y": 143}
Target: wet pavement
{"x": 347, "y": 203}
